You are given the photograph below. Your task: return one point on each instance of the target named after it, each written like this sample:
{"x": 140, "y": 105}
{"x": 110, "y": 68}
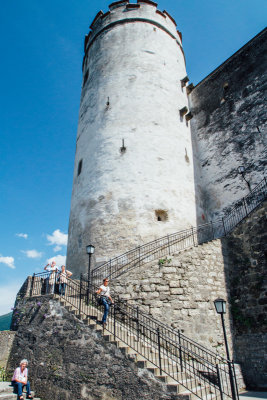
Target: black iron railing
{"x": 183, "y": 239}
{"x": 196, "y": 368}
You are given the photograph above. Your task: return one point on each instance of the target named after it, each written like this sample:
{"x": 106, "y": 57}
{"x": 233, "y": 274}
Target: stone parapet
{"x": 6, "y": 341}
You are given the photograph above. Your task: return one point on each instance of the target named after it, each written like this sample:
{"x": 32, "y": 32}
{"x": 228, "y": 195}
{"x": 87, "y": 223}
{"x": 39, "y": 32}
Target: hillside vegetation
{"x": 5, "y": 321}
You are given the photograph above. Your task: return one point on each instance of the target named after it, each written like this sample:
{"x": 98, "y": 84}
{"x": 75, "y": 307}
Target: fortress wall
{"x": 68, "y": 360}
{"x": 132, "y": 90}
{"x": 180, "y": 290}
{"x": 246, "y": 250}
{"x": 229, "y": 128}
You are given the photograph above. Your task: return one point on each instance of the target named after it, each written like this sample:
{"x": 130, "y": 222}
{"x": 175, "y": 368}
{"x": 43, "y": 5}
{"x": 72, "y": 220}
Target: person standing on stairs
{"x": 52, "y": 269}
{"x": 20, "y": 379}
{"x": 63, "y": 279}
{"x": 106, "y": 299}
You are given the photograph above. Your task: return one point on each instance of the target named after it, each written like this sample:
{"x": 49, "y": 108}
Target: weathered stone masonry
{"x": 180, "y": 291}
{"x": 246, "y": 252}
{"x": 68, "y": 360}
{"x": 229, "y": 128}
{"x": 132, "y": 90}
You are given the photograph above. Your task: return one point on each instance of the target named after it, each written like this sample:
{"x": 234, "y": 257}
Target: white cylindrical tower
{"x": 133, "y": 175}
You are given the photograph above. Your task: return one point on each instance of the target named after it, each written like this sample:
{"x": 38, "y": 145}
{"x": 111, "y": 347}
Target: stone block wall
{"x": 246, "y": 252}
{"x": 6, "y": 341}
{"x": 68, "y": 360}
{"x": 179, "y": 290}
{"x": 229, "y": 128}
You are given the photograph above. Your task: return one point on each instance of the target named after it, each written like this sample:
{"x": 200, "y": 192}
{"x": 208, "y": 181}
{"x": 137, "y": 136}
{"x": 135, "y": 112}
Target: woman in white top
{"x": 52, "y": 269}
{"x": 20, "y": 379}
{"x": 104, "y": 292}
{"x": 63, "y": 279}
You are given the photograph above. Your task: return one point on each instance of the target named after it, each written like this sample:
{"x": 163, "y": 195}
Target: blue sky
{"x": 41, "y": 51}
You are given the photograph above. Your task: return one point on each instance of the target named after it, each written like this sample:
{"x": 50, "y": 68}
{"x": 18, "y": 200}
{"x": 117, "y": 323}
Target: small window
{"x": 85, "y": 77}
{"x": 80, "y": 167}
{"x": 161, "y": 215}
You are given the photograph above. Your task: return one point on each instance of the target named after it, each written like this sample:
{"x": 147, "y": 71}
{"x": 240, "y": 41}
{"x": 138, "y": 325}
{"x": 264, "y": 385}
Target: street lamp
{"x": 90, "y": 249}
{"x": 241, "y": 171}
{"x": 220, "y": 306}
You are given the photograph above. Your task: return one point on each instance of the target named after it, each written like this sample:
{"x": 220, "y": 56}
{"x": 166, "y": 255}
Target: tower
{"x": 133, "y": 174}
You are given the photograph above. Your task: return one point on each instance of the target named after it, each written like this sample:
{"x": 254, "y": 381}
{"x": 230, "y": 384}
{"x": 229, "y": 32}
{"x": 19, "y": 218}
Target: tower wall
{"x": 132, "y": 69}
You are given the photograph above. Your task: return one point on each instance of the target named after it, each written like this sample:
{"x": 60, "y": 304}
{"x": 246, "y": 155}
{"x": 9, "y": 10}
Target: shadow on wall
{"x": 227, "y": 129}
{"x": 245, "y": 253}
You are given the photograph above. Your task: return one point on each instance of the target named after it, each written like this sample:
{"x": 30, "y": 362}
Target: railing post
{"x": 219, "y": 381}
{"x": 224, "y": 226}
{"x": 55, "y": 281}
{"x": 245, "y": 205}
{"x": 212, "y": 230}
{"x": 169, "y": 245}
{"x": 114, "y": 320}
{"x": 80, "y": 295}
{"x": 110, "y": 268}
{"x": 235, "y": 380}
{"x": 137, "y": 323}
{"x": 193, "y": 236}
{"x": 139, "y": 256}
{"x": 32, "y": 283}
{"x": 158, "y": 334}
{"x": 180, "y": 350}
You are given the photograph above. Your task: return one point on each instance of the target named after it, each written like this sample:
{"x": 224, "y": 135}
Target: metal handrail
{"x": 173, "y": 353}
{"x": 177, "y": 241}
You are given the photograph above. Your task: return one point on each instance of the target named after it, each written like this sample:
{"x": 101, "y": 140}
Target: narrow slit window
{"x": 80, "y": 167}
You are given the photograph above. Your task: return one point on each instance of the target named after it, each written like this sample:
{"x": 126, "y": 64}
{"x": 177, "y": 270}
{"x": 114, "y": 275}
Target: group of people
{"x": 56, "y": 275}
{"x": 61, "y": 276}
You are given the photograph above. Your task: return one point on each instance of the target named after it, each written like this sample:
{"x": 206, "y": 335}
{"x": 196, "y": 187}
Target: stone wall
{"x": 179, "y": 290}
{"x": 6, "y": 341}
{"x": 246, "y": 253}
{"x": 68, "y": 360}
{"x": 229, "y": 128}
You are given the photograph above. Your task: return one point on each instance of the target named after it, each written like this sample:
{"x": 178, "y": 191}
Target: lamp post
{"x": 241, "y": 171}
{"x": 90, "y": 249}
{"x": 220, "y": 306}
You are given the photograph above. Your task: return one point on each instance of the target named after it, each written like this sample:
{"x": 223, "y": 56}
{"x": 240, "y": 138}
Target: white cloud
{"x": 32, "y": 253}
{"x": 22, "y": 235}
{"x": 9, "y": 261}
{"x": 8, "y": 294}
{"x": 59, "y": 260}
{"x": 58, "y": 238}
{"x": 57, "y": 248}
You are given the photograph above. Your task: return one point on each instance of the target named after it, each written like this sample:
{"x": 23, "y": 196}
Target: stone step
{"x": 7, "y": 393}
{"x": 93, "y": 316}
{"x": 6, "y": 387}
{"x": 196, "y": 392}
{"x": 13, "y": 396}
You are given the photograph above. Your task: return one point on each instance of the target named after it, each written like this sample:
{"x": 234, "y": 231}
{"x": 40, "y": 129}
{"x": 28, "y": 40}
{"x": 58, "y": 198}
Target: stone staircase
{"x": 6, "y": 392}
{"x": 178, "y": 385}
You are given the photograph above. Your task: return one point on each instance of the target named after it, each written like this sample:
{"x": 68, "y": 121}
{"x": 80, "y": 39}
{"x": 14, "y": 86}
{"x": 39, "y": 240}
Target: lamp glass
{"x": 220, "y": 305}
{"x": 90, "y": 249}
{"x": 241, "y": 169}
